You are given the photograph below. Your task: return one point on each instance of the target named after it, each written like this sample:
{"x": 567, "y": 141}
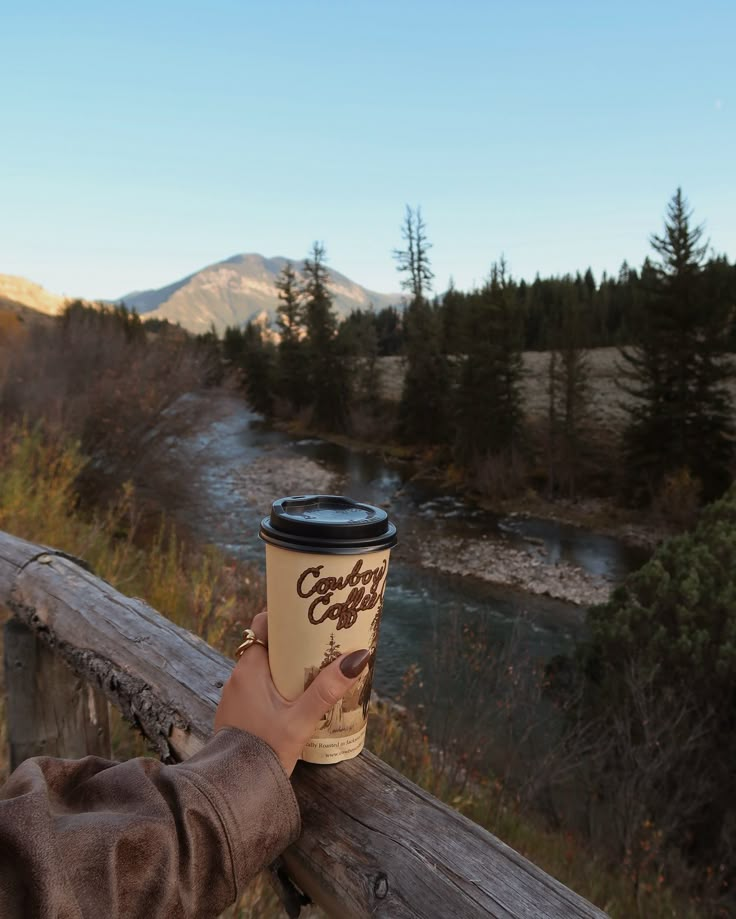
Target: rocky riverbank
{"x": 493, "y": 561}
{"x": 595, "y": 514}
{"x": 278, "y": 473}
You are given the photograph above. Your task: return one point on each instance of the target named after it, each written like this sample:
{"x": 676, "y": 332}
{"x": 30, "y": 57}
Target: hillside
{"x": 22, "y": 292}
{"x": 16, "y": 320}
{"x": 237, "y": 290}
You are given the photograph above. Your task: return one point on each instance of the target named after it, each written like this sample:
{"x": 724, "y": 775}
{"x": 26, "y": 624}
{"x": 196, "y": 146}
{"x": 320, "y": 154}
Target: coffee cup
{"x": 326, "y": 565}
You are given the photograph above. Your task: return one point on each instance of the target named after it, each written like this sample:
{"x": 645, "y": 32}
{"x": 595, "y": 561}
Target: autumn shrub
{"x": 679, "y": 499}
{"x": 95, "y": 376}
{"x": 499, "y": 476}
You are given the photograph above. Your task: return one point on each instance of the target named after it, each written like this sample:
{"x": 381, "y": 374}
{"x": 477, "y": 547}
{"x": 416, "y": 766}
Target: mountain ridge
{"x": 239, "y": 289}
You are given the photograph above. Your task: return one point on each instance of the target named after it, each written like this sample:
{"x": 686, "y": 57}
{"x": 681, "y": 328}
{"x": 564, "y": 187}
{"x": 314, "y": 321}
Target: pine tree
{"x": 678, "y": 370}
{"x": 293, "y": 370}
{"x": 423, "y": 410}
{"x": 390, "y": 331}
{"x": 590, "y": 287}
{"x": 358, "y": 341}
{"x": 489, "y": 404}
{"x": 328, "y": 373}
{"x": 451, "y": 313}
{"x": 233, "y": 345}
{"x": 234, "y": 354}
{"x": 569, "y": 392}
{"x": 258, "y": 363}
{"x": 290, "y": 314}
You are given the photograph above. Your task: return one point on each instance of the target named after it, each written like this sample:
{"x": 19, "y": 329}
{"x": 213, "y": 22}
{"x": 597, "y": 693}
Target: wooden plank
{"x": 165, "y": 680}
{"x": 50, "y": 710}
{"x": 421, "y": 854}
{"x": 373, "y": 843}
{"x": 14, "y": 554}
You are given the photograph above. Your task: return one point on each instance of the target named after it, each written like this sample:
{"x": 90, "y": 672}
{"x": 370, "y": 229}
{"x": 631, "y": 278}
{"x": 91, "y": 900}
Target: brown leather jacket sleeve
{"x": 93, "y": 838}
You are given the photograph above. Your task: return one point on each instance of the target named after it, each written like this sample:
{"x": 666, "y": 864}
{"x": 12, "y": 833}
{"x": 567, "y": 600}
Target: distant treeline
{"x": 610, "y": 309}
{"x": 674, "y": 320}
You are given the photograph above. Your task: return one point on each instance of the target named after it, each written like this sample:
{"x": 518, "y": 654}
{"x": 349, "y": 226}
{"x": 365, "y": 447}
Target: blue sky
{"x": 142, "y": 141}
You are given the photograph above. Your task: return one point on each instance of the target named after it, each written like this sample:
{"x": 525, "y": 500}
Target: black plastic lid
{"x": 331, "y": 524}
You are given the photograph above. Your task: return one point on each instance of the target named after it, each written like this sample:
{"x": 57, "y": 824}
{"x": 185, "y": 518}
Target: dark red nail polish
{"x": 352, "y": 664}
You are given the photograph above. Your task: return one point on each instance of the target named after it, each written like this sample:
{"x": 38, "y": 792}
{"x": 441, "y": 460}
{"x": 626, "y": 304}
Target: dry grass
{"x": 607, "y": 410}
{"x": 196, "y": 587}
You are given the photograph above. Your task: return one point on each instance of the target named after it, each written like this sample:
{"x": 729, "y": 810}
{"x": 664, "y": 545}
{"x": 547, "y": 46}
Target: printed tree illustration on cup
{"x": 332, "y": 652}
{"x": 365, "y": 692}
{"x": 333, "y": 718}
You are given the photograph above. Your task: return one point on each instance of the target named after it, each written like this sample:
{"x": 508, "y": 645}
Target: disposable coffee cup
{"x": 326, "y": 566}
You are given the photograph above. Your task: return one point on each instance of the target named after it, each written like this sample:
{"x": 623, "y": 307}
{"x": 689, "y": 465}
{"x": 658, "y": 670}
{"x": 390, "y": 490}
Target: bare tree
{"x": 414, "y": 259}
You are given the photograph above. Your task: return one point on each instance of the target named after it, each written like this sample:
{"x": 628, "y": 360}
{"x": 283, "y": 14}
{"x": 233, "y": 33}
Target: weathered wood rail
{"x": 373, "y": 843}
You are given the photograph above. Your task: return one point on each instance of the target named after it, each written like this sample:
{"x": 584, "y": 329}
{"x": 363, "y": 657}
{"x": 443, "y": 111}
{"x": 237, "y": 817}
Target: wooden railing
{"x": 373, "y": 843}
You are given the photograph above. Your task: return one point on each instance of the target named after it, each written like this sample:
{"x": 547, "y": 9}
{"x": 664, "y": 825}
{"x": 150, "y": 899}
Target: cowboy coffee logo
{"x": 364, "y": 593}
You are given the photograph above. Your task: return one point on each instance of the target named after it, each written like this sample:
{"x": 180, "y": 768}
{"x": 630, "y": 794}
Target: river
{"x": 418, "y": 601}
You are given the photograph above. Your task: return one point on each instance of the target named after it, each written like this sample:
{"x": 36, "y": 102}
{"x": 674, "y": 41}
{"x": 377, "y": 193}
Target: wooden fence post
{"x": 50, "y": 710}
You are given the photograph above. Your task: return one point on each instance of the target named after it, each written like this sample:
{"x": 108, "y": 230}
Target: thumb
{"x": 328, "y": 687}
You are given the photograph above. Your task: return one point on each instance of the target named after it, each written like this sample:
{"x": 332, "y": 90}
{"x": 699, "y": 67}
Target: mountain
{"x": 240, "y": 289}
{"x": 14, "y": 314}
{"x": 23, "y": 292}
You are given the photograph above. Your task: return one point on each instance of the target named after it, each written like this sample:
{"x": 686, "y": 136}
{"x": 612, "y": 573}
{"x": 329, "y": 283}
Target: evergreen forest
{"x": 460, "y": 403}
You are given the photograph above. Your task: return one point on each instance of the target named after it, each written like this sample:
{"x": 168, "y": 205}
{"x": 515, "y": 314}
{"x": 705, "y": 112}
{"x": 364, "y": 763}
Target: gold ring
{"x": 250, "y": 638}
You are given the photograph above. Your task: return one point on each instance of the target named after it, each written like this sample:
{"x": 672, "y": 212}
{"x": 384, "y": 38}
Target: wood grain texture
{"x": 50, "y": 710}
{"x": 373, "y": 843}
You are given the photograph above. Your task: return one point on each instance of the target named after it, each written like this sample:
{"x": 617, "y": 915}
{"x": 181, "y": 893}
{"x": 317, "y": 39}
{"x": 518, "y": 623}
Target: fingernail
{"x": 354, "y": 663}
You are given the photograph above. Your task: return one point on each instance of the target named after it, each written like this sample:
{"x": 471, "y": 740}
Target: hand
{"x": 251, "y": 702}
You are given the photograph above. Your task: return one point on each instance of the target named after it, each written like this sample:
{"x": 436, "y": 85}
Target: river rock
{"x": 493, "y": 561}
{"x": 276, "y": 474}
